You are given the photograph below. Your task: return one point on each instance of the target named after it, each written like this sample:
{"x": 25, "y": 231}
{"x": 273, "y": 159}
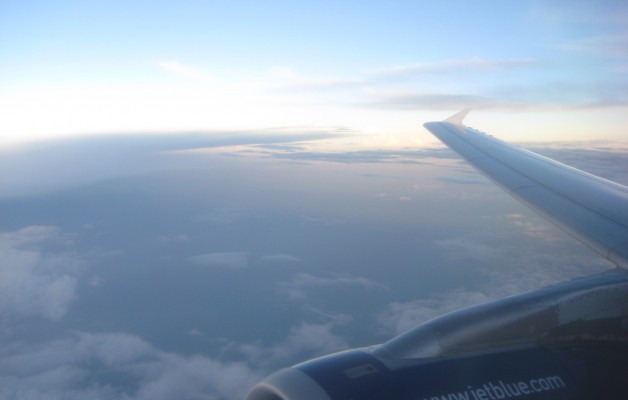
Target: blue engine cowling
{"x": 568, "y": 341}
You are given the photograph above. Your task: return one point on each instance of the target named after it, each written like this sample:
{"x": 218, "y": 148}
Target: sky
{"x": 557, "y": 68}
{"x": 196, "y": 194}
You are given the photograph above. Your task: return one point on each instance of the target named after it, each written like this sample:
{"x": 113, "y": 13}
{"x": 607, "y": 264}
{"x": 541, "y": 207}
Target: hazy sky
{"x": 252, "y": 187}
{"x": 378, "y": 67}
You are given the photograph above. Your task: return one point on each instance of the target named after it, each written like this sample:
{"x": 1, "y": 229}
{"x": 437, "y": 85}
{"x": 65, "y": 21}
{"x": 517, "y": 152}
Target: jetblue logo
{"x": 501, "y": 390}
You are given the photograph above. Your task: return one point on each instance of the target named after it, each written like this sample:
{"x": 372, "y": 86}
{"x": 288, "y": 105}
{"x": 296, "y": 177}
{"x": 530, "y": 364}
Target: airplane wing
{"x": 592, "y": 209}
{"x": 569, "y": 339}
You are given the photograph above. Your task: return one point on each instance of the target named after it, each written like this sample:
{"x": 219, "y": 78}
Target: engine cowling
{"x": 567, "y": 341}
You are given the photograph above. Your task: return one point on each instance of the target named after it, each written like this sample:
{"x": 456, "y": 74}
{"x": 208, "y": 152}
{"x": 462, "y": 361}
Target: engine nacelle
{"x": 568, "y": 341}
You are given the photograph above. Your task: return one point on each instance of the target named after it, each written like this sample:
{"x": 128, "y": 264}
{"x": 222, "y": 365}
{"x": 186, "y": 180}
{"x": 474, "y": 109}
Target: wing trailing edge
{"x": 592, "y": 209}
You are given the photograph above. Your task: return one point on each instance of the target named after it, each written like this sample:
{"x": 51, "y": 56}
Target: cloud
{"x": 400, "y": 317}
{"x": 224, "y": 216}
{"x": 461, "y": 248}
{"x": 607, "y": 159}
{"x": 378, "y": 86}
{"x": 435, "y": 101}
{"x": 524, "y": 275}
{"x": 549, "y": 96}
{"x": 399, "y": 156}
{"x": 305, "y": 341}
{"x": 235, "y": 259}
{"x": 324, "y": 221}
{"x": 280, "y": 258}
{"x": 288, "y": 79}
{"x": 185, "y": 71}
{"x": 514, "y": 265}
{"x": 36, "y": 278}
{"x": 309, "y": 337}
{"x": 116, "y": 366}
{"x": 195, "y": 332}
{"x": 503, "y": 265}
{"x": 463, "y": 180}
{"x": 612, "y": 46}
{"x": 535, "y": 228}
{"x": 444, "y": 67}
{"x": 302, "y": 282}
{"x": 562, "y": 95}
{"x": 61, "y": 163}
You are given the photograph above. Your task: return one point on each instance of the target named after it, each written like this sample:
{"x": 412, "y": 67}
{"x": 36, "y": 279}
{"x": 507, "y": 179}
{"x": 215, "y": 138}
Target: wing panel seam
{"x": 487, "y": 155}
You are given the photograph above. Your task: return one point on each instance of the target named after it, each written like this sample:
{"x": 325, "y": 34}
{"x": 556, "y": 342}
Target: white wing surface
{"x": 592, "y": 209}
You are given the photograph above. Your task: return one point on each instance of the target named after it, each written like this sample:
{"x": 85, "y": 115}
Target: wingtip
{"x": 458, "y": 117}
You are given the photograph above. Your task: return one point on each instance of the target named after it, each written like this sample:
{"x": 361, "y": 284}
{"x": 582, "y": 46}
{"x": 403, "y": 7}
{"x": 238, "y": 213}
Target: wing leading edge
{"x": 592, "y": 209}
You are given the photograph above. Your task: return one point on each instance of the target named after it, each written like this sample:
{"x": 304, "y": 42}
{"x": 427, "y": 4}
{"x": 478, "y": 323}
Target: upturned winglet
{"x": 458, "y": 117}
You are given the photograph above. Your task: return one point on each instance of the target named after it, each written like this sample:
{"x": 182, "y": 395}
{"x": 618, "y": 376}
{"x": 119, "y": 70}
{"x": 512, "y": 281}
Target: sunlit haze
{"x": 530, "y": 69}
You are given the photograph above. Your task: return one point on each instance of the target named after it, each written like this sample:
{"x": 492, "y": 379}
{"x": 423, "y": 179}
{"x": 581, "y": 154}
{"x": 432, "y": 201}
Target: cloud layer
{"x": 197, "y": 278}
{"x": 38, "y": 273}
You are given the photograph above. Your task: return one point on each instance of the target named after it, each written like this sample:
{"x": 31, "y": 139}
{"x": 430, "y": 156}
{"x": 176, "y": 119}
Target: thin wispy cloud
{"x": 454, "y": 66}
{"x": 613, "y": 46}
{"x": 184, "y": 71}
{"x": 289, "y": 79}
{"x": 224, "y": 216}
{"x": 302, "y": 283}
{"x": 434, "y": 101}
{"x": 280, "y": 258}
{"x": 234, "y": 259}
{"x": 463, "y": 180}
{"x": 377, "y": 88}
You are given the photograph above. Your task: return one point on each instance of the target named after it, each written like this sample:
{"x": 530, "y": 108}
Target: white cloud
{"x": 280, "y": 258}
{"x": 504, "y": 265}
{"x": 96, "y": 281}
{"x": 225, "y": 216}
{"x": 324, "y": 221}
{"x": 473, "y": 64}
{"x": 236, "y": 259}
{"x": 186, "y": 71}
{"x": 195, "y": 332}
{"x": 400, "y": 317}
{"x": 124, "y": 366}
{"x": 287, "y": 79}
{"x": 305, "y": 341}
{"x": 33, "y": 235}
{"x": 461, "y": 248}
{"x": 612, "y": 46}
{"x": 178, "y": 238}
{"x": 116, "y": 366}
{"x": 301, "y": 283}
{"x": 34, "y": 281}
{"x": 533, "y": 227}
{"x": 313, "y": 338}
{"x": 463, "y": 180}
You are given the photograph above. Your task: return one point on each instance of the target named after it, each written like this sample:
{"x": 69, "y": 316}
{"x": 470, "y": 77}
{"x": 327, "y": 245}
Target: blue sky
{"x": 376, "y": 67}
